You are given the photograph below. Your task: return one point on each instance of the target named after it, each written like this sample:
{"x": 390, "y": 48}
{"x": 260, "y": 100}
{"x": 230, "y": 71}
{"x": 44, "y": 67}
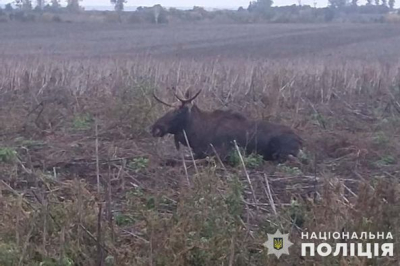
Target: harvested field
{"x": 83, "y": 183}
{"x": 376, "y": 42}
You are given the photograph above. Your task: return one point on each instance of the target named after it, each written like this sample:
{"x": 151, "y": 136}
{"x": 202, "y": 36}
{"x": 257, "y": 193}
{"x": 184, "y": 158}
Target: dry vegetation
{"x": 83, "y": 183}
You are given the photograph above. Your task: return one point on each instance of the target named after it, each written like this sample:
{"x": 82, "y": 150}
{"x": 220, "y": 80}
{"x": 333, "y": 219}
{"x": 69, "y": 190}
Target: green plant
{"x": 139, "y": 164}
{"x": 380, "y": 138}
{"x": 110, "y": 260}
{"x": 252, "y": 160}
{"x": 234, "y": 199}
{"x": 7, "y": 155}
{"x": 9, "y": 254}
{"x": 297, "y": 213}
{"x": 123, "y": 219}
{"x": 53, "y": 262}
{"x": 135, "y": 192}
{"x": 82, "y": 122}
{"x": 234, "y": 158}
{"x": 290, "y": 170}
{"x": 304, "y": 156}
{"x": 319, "y": 120}
{"x": 385, "y": 161}
{"x": 33, "y": 143}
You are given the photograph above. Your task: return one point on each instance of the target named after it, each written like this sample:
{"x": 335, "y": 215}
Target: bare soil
{"x": 373, "y": 42}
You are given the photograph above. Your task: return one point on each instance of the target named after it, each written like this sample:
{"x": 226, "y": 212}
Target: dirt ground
{"x": 373, "y": 42}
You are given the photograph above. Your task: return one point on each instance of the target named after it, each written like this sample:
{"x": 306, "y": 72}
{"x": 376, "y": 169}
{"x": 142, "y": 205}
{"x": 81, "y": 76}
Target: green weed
{"x": 82, "y": 122}
{"x": 380, "y": 138}
{"x": 9, "y": 254}
{"x": 251, "y": 161}
{"x": 295, "y": 171}
{"x": 7, "y": 155}
{"x": 123, "y": 219}
{"x": 138, "y": 164}
{"x": 385, "y": 161}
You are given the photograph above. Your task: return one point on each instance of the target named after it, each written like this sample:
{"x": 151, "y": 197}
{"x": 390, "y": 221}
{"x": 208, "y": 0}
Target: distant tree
{"x": 391, "y": 4}
{"x": 55, "y": 4}
{"x": 157, "y": 11}
{"x": 18, "y": 4}
{"x": 25, "y": 5}
{"x": 329, "y": 14}
{"x": 337, "y": 3}
{"x": 73, "y": 5}
{"x": 261, "y": 6}
{"x": 8, "y": 7}
{"x": 39, "y": 4}
{"x": 377, "y": 2}
{"x": 369, "y": 2}
{"x": 354, "y": 2}
{"x": 264, "y": 4}
{"x": 118, "y": 5}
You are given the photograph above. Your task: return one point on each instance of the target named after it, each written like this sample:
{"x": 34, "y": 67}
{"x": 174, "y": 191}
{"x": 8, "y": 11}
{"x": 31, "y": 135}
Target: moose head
{"x": 174, "y": 121}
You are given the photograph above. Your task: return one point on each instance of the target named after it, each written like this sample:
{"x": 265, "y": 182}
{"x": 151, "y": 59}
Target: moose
{"x": 208, "y": 133}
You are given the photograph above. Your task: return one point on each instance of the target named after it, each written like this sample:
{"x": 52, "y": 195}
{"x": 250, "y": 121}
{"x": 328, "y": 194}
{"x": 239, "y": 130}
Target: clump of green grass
{"x": 297, "y": 213}
{"x": 380, "y": 138}
{"x": 55, "y": 262}
{"x": 319, "y": 120}
{"x": 7, "y": 155}
{"x": 304, "y": 156}
{"x": 110, "y": 260}
{"x": 295, "y": 171}
{"x": 139, "y": 164}
{"x": 9, "y": 254}
{"x": 29, "y": 143}
{"x": 252, "y": 160}
{"x": 385, "y": 161}
{"x": 82, "y": 122}
{"x": 123, "y": 219}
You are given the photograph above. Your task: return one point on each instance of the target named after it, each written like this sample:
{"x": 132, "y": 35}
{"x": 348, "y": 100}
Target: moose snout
{"x": 157, "y": 131}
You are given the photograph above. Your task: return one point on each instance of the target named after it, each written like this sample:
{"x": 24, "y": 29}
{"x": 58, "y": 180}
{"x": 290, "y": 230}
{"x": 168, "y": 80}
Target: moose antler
{"x": 161, "y": 101}
{"x": 188, "y": 100}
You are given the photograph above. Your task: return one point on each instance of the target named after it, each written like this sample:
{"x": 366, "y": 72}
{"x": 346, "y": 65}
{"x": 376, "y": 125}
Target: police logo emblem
{"x": 278, "y": 243}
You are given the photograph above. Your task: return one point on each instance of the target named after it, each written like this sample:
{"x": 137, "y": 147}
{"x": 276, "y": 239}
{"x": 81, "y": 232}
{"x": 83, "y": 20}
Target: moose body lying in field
{"x": 215, "y": 132}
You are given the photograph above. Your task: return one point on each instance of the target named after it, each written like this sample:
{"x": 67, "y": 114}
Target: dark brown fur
{"x": 220, "y": 128}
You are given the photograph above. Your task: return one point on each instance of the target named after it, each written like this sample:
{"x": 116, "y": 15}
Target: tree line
{"x": 258, "y": 10}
